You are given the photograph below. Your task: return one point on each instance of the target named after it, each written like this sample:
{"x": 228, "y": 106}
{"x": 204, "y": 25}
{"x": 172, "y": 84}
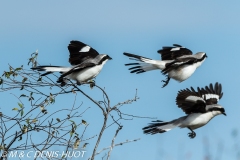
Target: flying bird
{"x": 177, "y": 62}
{"x": 86, "y": 64}
{"x": 200, "y": 106}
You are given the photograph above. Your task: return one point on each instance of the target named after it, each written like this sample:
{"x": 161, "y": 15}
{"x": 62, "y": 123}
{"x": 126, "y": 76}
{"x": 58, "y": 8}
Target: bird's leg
{"x": 79, "y": 83}
{"x": 166, "y": 81}
{"x": 92, "y": 83}
{"x": 63, "y": 84}
{"x": 192, "y": 134}
{"x": 62, "y": 81}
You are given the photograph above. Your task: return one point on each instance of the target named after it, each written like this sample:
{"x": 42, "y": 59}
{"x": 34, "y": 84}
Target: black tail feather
{"x": 44, "y": 74}
{"x": 152, "y": 128}
{"x": 128, "y": 64}
{"x": 134, "y": 56}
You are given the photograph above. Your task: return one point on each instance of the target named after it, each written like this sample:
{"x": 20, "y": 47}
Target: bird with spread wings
{"x": 200, "y": 106}
{"x": 86, "y": 64}
{"x": 177, "y": 62}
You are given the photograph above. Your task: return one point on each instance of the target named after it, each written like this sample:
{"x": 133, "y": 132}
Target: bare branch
{"x": 122, "y": 143}
{"x": 112, "y": 145}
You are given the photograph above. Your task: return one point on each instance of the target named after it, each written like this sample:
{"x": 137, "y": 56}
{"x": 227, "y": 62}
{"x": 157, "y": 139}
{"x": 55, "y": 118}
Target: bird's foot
{"x": 63, "y": 84}
{"x": 79, "y": 83}
{"x": 166, "y": 81}
{"x": 192, "y": 134}
{"x": 92, "y": 83}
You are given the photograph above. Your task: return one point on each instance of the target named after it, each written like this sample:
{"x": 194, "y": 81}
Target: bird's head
{"x": 201, "y": 55}
{"x": 108, "y": 57}
{"x": 216, "y": 109}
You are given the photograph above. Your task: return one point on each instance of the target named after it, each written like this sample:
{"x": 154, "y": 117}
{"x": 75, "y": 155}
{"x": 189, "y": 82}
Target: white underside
{"x": 79, "y": 76}
{"x": 180, "y": 74}
{"x": 86, "y": 74}
{"x": 196, "y": 120}
{"x": 184, "y": 72}
{"x": 193, "y": 121}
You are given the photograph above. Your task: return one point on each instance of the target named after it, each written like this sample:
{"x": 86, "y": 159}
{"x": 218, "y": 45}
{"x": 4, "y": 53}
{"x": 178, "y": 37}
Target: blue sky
{"x": 139, "y": 27}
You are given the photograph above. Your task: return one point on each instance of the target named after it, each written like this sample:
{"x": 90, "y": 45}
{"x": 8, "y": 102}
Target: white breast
{"x": 182, "y": 73}
{"x": 87, "y": 74}
{"x": 196, "y": 120}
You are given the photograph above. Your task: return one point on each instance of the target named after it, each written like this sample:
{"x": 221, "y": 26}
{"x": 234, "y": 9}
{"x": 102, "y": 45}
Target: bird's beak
{"x": 109, "y": 57}
{"x": 224, "y": 114}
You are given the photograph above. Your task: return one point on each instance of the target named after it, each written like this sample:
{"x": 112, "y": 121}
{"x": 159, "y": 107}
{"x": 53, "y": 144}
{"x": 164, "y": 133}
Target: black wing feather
{"x": 77, "y": 57}
{"x": 77, "y": 68}
{"x": 216, "y": 90}
{"x": 168, "y": 54}
{"x": 196, "y": 105}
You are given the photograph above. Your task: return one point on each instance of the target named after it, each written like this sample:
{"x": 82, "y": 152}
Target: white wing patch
{"x": 208, "y": 96}
{"x": 178, "y": 63}
{"x": 194, "y": 99}
{"x": 85, "y": 49}
{"x": 175, "y": 49}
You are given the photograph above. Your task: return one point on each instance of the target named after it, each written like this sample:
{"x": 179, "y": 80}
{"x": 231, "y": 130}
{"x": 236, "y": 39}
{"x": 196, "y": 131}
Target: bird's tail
{"x": 146, "y": 64}
{"x": 51, "y": 69}
{"x": 161, "y": 127}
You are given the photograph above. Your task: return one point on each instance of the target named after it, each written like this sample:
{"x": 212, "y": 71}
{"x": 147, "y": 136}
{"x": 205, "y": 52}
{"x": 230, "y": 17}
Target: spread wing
{"x": 80, "y": 52}
{"x": 191, "y": 101}
{"x": 212, "y": 94}
{"x": 171, "y": 53}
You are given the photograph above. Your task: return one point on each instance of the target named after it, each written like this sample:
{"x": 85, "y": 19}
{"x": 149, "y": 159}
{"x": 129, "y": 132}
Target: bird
{"x": 177, "y": 62}
{"x": 200, "y": 106}
{"x": 86, "y": 64}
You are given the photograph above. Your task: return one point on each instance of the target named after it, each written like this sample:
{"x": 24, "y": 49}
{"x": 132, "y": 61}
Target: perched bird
{"x": 86, "y": 64}
{"x": 177, "y": 63}
{"x": 200, "y": 106}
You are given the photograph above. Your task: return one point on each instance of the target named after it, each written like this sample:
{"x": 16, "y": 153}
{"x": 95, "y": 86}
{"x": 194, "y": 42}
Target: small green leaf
{"x": 72, "y": 121}
{"x": 18, "y": 69}
{"x": 1, "y": 147}
{"x": 64, "y": 155}
{"x": 58, "y": 119}
{"x": 22, "y": 95}
{"x": 15, "y": 109}
{"x": 31, "y": 97}
{"x": 84, "y": 146}
{"x": 76, "y": 143}
{"x": 22, "y": 112}
{"x": 20, "y": 105}
{"x": 27, "y": 121}
{"x": 24, "y": 79}
{"x": 24, "y": 129}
